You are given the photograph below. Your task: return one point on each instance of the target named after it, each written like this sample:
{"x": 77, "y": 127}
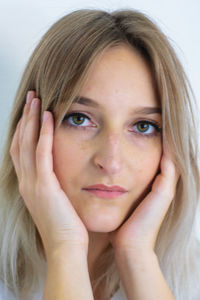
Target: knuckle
{"x": 13, "y": 150}
{"x": 30, "y": 118}
{"x": 21, "y": 187}
{"x": 24, "y": 189}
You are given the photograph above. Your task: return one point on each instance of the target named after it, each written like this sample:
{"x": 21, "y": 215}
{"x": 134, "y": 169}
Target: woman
{"x": 103, "y": 192}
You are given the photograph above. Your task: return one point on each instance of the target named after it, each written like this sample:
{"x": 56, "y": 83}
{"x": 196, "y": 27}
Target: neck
{"x": 98, "y": 242}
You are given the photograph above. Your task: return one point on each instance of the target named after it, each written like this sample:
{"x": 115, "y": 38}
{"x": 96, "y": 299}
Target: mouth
{"x": 105, "y": 193}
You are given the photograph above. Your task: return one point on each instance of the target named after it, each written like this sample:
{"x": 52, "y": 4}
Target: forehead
{"x": 120, "y": 76}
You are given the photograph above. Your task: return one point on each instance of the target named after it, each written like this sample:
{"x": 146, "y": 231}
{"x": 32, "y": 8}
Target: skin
{"x": 64, "y": 161}
{"x": 129, "y": 159}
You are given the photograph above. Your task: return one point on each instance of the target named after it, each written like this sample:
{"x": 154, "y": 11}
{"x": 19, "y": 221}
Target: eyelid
{"x": 144, "y": 118}
{"x": 151, "y": 121}
{"x": 79, "y": 112}
{"x": 71, "y": 113}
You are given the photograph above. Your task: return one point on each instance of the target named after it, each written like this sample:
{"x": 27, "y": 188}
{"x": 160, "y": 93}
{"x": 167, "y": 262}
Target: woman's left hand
{"x": 139, "y": 232}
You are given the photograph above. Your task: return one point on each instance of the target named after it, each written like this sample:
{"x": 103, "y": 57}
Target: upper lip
{"x": 103, "y": 187}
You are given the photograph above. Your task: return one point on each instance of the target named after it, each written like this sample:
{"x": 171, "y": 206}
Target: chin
{"x": 101, "y": 224}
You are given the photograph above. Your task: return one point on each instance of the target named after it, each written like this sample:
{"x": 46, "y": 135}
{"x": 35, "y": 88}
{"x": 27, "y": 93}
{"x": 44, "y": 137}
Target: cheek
{"x": 71, "y": 158}
{"x": 68, "y": 158}
{"x": 146, "y": 160}
{"x": 148, "y": 167}
{"x": 144, "y": 169}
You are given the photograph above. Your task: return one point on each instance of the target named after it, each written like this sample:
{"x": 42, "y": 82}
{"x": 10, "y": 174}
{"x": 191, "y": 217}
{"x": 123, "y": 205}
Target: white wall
{"x": 23, "y": 22}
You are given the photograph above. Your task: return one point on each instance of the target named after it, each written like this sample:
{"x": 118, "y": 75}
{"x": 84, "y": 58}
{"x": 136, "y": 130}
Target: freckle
{"x": 83, "y": 146}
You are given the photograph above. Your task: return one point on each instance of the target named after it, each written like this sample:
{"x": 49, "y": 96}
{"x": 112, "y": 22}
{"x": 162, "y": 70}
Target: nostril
{"x": 100, "y": 166}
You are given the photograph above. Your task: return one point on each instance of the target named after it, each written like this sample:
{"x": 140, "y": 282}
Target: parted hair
{"x": 56, "y": 71}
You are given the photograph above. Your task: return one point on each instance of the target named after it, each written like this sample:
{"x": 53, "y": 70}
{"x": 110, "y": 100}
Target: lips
{"x": 105, "y": 194}
{"x": 102, "y": 187}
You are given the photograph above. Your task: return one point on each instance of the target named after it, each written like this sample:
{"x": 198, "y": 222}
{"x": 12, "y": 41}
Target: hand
{"x": 52, "y": 212}
{"x": 139, "y": 232}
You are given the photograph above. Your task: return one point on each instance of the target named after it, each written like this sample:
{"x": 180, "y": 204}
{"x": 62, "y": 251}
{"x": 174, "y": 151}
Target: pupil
{"x": 143, "y": 126}
{"x": 78, "y": 118}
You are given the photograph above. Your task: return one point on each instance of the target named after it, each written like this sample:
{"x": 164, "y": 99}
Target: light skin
{"x": 113, "y": 149}
{"x": 129, "y": 159}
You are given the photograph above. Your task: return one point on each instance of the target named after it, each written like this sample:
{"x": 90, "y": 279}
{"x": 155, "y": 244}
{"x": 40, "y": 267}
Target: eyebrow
{"x": 142, "y": 110}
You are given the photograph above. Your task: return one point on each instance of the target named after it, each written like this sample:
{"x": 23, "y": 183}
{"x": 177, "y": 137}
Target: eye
{"x": 76, "y": 120}
{"x": 147, "y": 128}
{"x": 143, "y": 128}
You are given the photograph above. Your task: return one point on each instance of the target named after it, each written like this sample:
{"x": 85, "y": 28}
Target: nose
{"x": 108, "y": 154}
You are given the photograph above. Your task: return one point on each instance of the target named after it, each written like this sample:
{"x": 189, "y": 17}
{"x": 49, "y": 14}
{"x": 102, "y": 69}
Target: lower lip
{"x": 105, "y": 194}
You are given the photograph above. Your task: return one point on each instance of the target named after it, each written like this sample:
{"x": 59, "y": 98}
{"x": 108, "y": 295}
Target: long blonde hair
{"x": 57, "y": 70}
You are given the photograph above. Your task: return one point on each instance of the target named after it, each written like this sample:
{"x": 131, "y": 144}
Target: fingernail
{"x": 29, "y": 97}
{"x": 34, "y": 103}
{"x": 45, "y": 116}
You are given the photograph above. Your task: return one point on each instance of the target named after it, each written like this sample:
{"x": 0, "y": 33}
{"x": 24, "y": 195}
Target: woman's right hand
{"x": 57, "y": 221}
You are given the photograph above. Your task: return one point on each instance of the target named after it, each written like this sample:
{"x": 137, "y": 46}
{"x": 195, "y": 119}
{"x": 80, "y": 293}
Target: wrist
{"x": 137, "y": 258}
{"x": 66, "y": 269}
{"x": 141, "y": 269}
{"x": 63, "y": 253}
{"x": 134, "y": 252}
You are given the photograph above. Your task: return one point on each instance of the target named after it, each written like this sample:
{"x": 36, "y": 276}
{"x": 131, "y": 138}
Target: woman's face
{"x": 108, "y": 145}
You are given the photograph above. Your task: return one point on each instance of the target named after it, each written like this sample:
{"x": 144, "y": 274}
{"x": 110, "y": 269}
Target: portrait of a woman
{"x": 99, "y": 182}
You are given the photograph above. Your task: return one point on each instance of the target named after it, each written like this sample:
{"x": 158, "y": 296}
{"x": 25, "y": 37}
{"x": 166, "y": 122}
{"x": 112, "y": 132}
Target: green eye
{"x": 147, "y": 129}
{"x": 142, "y": 127}
{"x": 78, "y": 119}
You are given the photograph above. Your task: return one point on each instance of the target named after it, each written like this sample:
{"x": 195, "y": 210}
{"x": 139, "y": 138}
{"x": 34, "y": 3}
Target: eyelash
{"x": 154, "y": 124}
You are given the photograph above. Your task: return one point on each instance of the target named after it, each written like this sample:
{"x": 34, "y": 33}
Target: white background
{"x": 23, "y": 22}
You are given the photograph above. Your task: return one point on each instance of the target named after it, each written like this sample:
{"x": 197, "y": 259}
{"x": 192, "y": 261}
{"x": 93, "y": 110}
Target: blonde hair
{"x": 57, "y": 70}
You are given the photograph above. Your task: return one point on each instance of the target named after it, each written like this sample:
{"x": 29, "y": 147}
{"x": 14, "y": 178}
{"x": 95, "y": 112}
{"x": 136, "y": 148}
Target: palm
{"x": 142, "y": 227}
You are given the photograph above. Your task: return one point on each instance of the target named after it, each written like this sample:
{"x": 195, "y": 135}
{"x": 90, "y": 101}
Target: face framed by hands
{"x": 111, "y": 135}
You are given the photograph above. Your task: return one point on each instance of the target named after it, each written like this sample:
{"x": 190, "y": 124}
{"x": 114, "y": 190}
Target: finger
{"x": 22, "y": 136}
{"x": 14, "y": 150}
{"x": 15, "y": 145}
{"x": 24, "y": 115}
{"x": 163, "y": 190}
{"x": 28, "y": 153}
{"x": 44, "y": 160}
{"x": 152, "y": 210}
{"x": 169, "y": 172}
{"x": 170, "y": 157}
